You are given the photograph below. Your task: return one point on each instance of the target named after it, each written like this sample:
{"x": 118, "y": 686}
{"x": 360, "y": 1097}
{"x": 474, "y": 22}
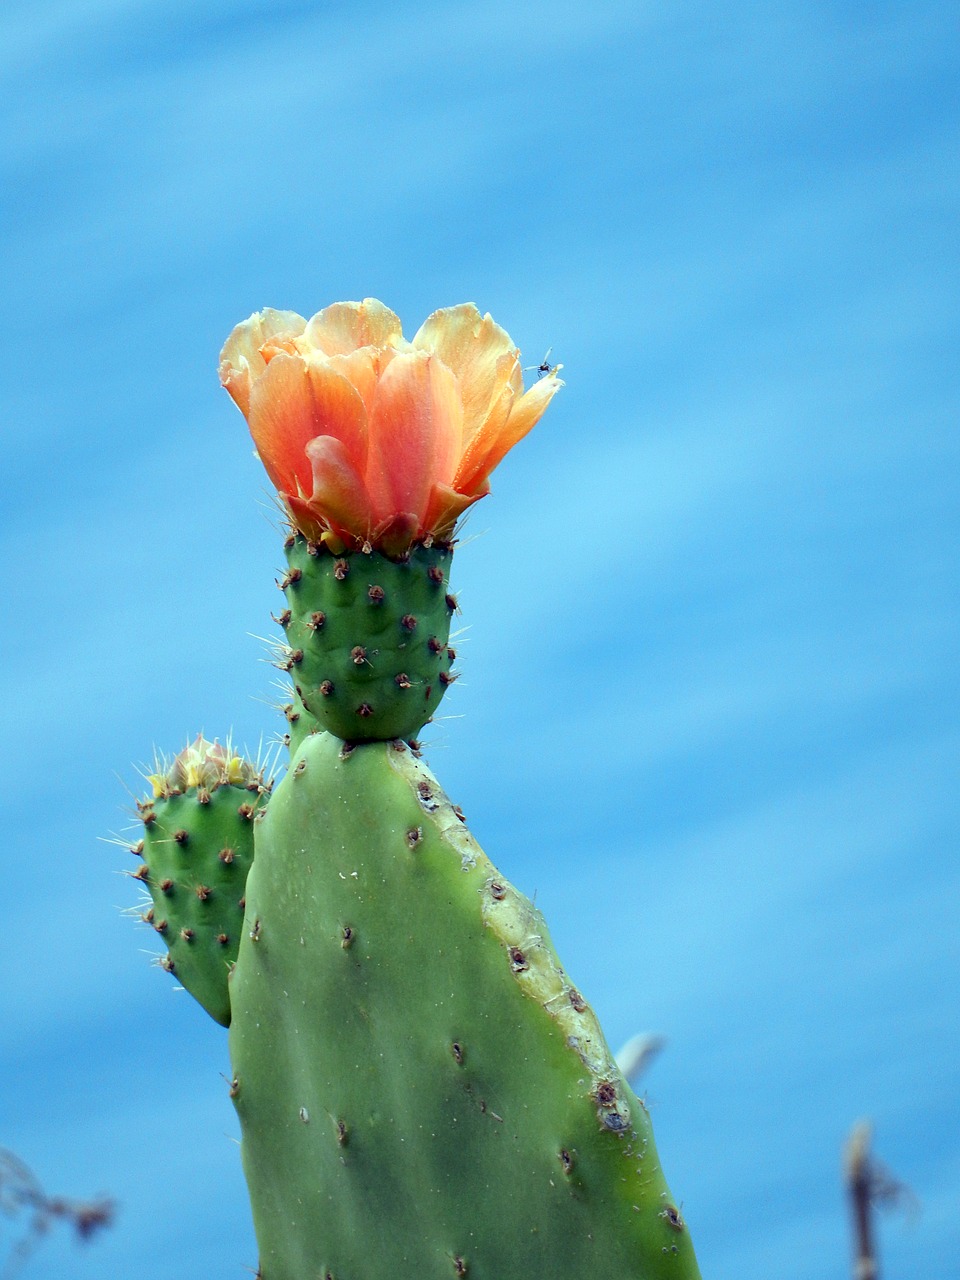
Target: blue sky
{"x": 709, "y": 709}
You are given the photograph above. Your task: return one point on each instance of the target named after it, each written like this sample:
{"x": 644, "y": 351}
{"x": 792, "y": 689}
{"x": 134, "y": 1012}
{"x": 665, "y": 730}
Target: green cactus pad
{"x": 368, "y": 637}
{"x": 422, "y": 1091}
{"x": 197, "y": 850}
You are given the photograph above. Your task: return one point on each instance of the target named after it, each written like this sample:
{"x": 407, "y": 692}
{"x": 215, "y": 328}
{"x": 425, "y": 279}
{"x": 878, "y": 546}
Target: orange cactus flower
{"x": 370, "y": 438}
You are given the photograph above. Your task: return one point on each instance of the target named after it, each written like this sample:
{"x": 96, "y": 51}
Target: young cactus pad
{"x": 197, "y": 849}
{"x": 368, "y": 635}
{"x": 421, "y": 1090}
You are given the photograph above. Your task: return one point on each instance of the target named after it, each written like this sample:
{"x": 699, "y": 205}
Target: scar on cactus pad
{"x": 422, "y": 1091}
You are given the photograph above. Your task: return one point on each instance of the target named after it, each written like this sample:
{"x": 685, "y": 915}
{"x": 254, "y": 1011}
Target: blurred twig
{"x": 869, "y": 1183}
{"x": 21, "y": 1193}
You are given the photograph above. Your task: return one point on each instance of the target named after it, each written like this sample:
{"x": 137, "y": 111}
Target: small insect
{"x": 544, "y": 367}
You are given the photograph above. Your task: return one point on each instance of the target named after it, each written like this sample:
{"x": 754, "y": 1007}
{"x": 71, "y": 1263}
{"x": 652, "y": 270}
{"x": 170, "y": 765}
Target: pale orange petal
{"x": 240, "y": 360}
{"x": 496, "y": 438}
{"x": 515, "y": 376}
{"x": 361, "y": 368}
{"x": 304, "y": 517}
{"x": 339, "y": 494}
{"x": 479, "y": 352}
{"x": 394, "y": 536}
{"x": 475, "y": 447}
{"x": 293, "y": 402}
{"x": 445, "y": 508}
{"x": 283, "y": 342}
{"x": 416, "y": 434}
{"x": 346, "y": 326}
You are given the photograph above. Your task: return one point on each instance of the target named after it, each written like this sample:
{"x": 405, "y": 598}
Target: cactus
{"x": 422, "y": 1091}
{"x": 197, "y": 849}
{"x": 368, "y": 637}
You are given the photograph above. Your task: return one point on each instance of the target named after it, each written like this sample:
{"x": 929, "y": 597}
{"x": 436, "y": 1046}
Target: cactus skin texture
{"x": 422, "y": 1092}
{"x": 197, "y": 848}
{"x": 368, "y": 637}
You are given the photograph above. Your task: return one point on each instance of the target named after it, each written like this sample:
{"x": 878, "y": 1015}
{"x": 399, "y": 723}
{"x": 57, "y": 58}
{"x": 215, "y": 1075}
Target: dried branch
{"x": 869, "y": 1183}
{"x": 21, "y": 1193}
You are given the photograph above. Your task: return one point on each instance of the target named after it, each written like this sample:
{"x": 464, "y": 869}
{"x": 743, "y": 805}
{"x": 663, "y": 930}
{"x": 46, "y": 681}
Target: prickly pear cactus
{"x": 197, "y": 849}
{"x": 422, "y": 1090}
{"x": 367, "y": 637}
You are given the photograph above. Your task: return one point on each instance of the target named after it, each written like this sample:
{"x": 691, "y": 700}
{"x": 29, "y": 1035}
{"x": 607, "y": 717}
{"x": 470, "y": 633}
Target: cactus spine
{"x": 422, "y": 1090}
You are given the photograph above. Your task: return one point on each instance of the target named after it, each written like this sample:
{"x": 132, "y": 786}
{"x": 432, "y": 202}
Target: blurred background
{"x": 709, "y": 706}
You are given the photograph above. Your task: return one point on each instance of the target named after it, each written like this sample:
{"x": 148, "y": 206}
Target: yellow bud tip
{"x": 235, "y": 772}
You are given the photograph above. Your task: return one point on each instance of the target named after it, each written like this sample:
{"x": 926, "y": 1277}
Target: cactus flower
{"x": 373, "y": 439}
{"x": 202, "y": 764}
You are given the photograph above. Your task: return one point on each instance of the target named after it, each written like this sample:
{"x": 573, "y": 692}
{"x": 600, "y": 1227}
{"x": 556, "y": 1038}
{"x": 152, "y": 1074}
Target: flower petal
{"x": 339, "y": 494}
{"x": 416, "y": 434}
{"x": 304, "y": 517}
{"x": 396, "y": 535}
{"x": 480, "y": 353}
{"x": 346, "y": 326}
{"x": 293, "y": 402}
{"x": 362, "y": 369}
{"x": 498, "y": 435}
{"x": 445, "y": 508}
{"x": 240, "y": 360}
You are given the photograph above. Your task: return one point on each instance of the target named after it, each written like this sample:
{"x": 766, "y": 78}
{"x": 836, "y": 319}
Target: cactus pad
{"x": 197, "y": 849}
{"x": 368, "y": 637}
{"x": 422, "y": 1091}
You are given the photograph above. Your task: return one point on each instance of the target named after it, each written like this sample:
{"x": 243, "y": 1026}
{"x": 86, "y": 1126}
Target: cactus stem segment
{"x": 420, "y": 997}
